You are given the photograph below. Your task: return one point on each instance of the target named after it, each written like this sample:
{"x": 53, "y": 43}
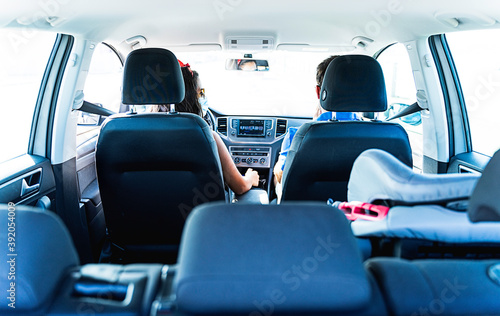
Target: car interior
{"x": 109, "y": 207}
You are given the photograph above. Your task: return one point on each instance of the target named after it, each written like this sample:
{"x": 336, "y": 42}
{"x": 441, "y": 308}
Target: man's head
{"x": 320, "y": 72}
{"x": 247, "y": 65}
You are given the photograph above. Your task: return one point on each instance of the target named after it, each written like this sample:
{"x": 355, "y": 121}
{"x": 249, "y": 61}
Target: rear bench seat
{"x": 302, "y": 259}
{"x": 49, "y": 281}
{"x": 449, "y": 287}
{"x": 438, "y": 287}
{"x": 261, "y": 260}
{"x": 291, "y": 259}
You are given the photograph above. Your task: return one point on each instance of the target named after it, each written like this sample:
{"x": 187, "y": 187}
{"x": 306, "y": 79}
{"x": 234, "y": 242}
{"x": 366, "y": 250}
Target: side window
{"x": 23, "y": 59}
{"x": 102, "y": 86}
{"x": 401, "y": 92}
{"x": 477, "y": 59}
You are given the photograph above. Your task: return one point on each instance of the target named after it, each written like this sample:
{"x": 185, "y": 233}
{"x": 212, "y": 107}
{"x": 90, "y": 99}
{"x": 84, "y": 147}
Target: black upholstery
{"x": 153, "y": 168}
{"x": 321, "y": 155}
{"x": 44, "y": 255}
{"x": 353, "y": 83}
{"x": 483, "y": 205}
{"x": 272, "y": 259}
{"x": 152, "y": 76}
{"x": 437, "y": 287}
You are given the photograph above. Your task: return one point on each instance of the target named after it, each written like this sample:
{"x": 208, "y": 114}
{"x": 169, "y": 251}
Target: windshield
{"x": 287, "y": 89}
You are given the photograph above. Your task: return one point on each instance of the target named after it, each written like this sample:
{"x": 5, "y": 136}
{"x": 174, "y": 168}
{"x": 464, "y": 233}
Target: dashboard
{"x": 257, "y": 134}
{"x": 251, "y": 128}
{"x": 251, "y": 140}
{"x": 254, "y": 142}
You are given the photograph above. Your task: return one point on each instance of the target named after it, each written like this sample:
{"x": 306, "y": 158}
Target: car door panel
{"x": 26, "y": 180}
{"x": 471, "y": 162}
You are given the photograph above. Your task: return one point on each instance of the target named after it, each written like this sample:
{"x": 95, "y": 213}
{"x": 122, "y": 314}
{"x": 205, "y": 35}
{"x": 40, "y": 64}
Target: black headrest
{"x": 483, "y": 204}
{"x": 45, "y": 252}
{"x": 354, "y": 83}
{"x": 152, "y": 76}
{"x": 299, "y": 257}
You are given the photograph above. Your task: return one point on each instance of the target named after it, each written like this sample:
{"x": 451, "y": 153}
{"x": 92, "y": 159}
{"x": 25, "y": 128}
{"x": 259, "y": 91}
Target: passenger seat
{"x": 153, "y": 168}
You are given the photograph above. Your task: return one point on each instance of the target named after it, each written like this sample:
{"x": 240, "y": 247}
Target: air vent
{"x": 222, "y": 126}
{"x": 280, "y": 127}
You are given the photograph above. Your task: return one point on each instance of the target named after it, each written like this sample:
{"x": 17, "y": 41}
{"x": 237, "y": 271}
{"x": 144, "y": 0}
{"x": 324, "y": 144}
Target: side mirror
{"x": 246, "y": 64}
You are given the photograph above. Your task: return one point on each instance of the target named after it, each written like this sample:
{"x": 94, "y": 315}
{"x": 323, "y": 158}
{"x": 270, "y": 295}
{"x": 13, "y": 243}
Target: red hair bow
{"x": 185, "y": 65}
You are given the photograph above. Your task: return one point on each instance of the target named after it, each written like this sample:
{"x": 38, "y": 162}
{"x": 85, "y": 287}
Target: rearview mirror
{"x": 246, "y": 64}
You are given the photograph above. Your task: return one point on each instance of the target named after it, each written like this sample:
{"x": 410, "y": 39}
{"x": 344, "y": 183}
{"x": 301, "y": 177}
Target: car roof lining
{"x": 183, "y": 23}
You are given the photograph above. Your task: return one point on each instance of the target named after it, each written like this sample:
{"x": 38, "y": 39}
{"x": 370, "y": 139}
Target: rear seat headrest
{"x": 354, "y": 83}
{"x": 377, "y": 175}
{"x": 44, "y": 251}
{"x": 152, "y": 76}
{"x": 484, "y": 205}
{"x": 242, "y": 258}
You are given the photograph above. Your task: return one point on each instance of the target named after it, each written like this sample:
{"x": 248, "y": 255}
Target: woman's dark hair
{"x": 190, "y": 104}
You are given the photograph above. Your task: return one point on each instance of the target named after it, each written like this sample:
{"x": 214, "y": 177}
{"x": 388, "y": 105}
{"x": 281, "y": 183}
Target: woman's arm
{"x": 239, "y": 184}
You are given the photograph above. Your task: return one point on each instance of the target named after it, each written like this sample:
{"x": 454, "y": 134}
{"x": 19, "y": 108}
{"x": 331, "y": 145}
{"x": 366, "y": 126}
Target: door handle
{"x": 464, "y": 169}
{"x": 30, "y": 184}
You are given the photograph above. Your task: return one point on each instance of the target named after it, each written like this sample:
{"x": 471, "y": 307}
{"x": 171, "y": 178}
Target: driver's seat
{"x": 322, "y": 153}
{"x": 153, "y": 168}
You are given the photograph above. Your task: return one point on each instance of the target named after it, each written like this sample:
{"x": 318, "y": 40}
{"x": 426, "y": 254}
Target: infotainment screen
{"x": 251, "y": 128}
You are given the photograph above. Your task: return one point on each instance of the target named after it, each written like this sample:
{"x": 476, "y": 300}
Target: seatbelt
{"x": 415, "y": 107}
{"x": 418, "y": 106}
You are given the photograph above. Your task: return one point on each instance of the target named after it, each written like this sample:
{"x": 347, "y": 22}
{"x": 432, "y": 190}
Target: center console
{"x": 251, "y": 156}
{"x": 252, "y": 128}
{"x": 253, "y": 142}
